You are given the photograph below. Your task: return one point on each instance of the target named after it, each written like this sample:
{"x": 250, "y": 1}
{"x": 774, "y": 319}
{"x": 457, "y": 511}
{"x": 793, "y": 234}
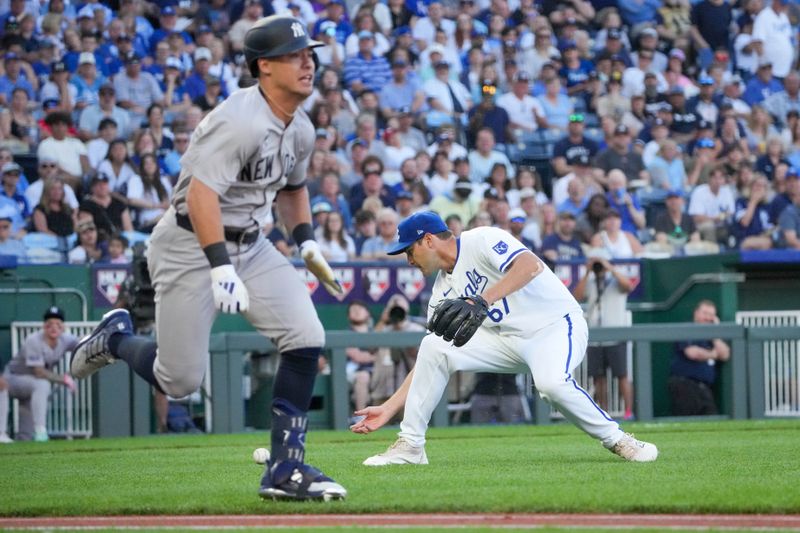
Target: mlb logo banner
{"x": 565, "y": 274}
{"x": 347, "y": 279}
{"x": 310, "y": 280}
{"x": 410, "y": 281}
{"x": 377, "y": 281}
{"x": 107, "y": 283}
{"x": 632, "y": 271}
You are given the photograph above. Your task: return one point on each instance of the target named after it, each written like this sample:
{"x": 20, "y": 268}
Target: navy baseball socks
{"x": 287, "y": 477}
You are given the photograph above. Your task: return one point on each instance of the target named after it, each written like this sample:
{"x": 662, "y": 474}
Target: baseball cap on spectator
{"x": 703, "y": 124}
{"x": 405, "y": 110}
{"x": 444, "y": 136}
{"x": 85, "y": 224}
{"x": 97, "y": 178}
{"x": 212, "y": 80}
{"x": 676, "y": 90}
{"x": 204, "y": 29}
{"x": 522, "y": 76}
{"x": 44, "y": 158}
{"x": 611, "y": 212}
{"x": 414, "y": 228}
{"x": 721, "y": 56}
{"x": 202, "y": 53}
{"x": 168, "y": 11}
{"x": 53, "y": 312}
{"x": 86, "y": 12}
{"x": 705, "y": 142}
{"x": 173, "y": 62}
{"x": 793, "y": 172}
{"x": 649, "y": 32}
{"x": 442, "y": 63}
{"x": 11, "y": 167}
{"x": 132, "y": 59}
{"x": 706, "y": 80}
{"x": 566, "y": 214}
{"x": 106, "y": 88}
{"x": 51, "y": 103}
{"x": 674, "y": 193}
{"x": 124, "y": 37}
{"x": 517, "y": 215}
{"x": 463, "y": 184}
{"x": 659, "y": 123}
{"x": 86, "y": 57}
{"x": 664, "y": 107}
{"x": 677, "y": 53}
{"x": 764, "y": 62}
{"x": 527, "y": 192}
{"x": 404, "y": 195}
{"x": 321, "y": 207}
{"x": 566, "y": 44}
{"x": 399, "y": 63}
{"x": 360, "y": 142}
{"x": 435, "y": 48}
{"x": 581, "y": 159}
{"x": 614, "y": 33}
{"x": 365, "y": 34}
{"x": 571, "y": 21}
{"x": 649, "y": 74}
{"x": 10, "y": 56}
{"x": 58, "y": 66}
{"x": 402, "y": 30}
{"x": 621, "y": 129}
{"x": 491, "y": 194}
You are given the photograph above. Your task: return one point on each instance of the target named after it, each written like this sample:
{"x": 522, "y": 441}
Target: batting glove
{"x": 230, "y": 294}
{"x": 316, "y": 263}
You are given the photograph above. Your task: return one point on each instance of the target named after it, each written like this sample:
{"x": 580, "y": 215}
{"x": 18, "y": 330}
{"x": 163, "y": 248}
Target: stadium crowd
{"x": 642, "y": 127}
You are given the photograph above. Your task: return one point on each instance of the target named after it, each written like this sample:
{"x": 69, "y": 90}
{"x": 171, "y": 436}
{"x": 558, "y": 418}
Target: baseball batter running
{"x": 495, "y": 308}
{"x": 209, "y": 254}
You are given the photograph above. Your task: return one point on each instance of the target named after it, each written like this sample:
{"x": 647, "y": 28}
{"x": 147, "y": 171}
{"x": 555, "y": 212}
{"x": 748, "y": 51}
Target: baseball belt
{"x": 237, "y": 235}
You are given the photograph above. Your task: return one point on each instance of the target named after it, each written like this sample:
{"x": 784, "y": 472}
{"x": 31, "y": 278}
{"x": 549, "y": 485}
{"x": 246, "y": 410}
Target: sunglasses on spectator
{"x": 47, "y": 165}
{"x": 576, "y": 117}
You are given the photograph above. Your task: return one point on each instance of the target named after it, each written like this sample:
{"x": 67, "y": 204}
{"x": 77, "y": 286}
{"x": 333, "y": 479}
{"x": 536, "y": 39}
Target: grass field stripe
{"x": 396, "y": 521}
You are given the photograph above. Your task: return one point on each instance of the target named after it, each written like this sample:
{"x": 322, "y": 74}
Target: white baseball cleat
{"x": 5, "y": 439}
{"x": 399, "y": 453}
{"x": 632, "y": 449}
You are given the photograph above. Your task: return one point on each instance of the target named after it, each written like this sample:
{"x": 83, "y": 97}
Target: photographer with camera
{"x": 486, "y": 114}
{"x": 605, "y": 290}
{"x": 395, "y": 318}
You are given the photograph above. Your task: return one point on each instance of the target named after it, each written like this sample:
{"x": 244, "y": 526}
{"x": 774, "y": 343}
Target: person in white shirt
{"x": 524, "y": 111}
{"x": 425, "y": 28}
{"x": 531, "y": 323}
{"x": 69, "y": 152}
{"x": 48, "y": 168}
{"x": 446, "y": 95}
{"x": 773, "y": 27}
{"x": 332, "y": 54}
{"x": 484, "y": 157}
{"x": 711, "y": 206}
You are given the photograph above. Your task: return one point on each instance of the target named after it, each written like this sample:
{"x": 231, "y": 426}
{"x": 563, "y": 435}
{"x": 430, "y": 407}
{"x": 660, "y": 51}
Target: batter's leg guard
{"x": 287, "y": 477}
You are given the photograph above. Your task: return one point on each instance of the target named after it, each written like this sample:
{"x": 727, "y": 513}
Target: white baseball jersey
{"x": 484, "y": 255}
{"x": 246, "y": 154}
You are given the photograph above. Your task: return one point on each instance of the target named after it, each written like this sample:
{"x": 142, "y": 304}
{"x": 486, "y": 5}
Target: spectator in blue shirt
{"x": 335, "y": 12}
{"x": 576, "y": 70}
{"x": 365, "y": 70}
{"x": 637, "y": 12}
{"x": 624, "y": 203}
{"x": 8, "y": 188}
{"x": 168, "y": 21}
{"x": 195, "y": 84}
{"x": 13, "y": 78}
{"x": 751, "y": 225}
{"x": 762, "y": 85}
{"x": 401, "y": 92}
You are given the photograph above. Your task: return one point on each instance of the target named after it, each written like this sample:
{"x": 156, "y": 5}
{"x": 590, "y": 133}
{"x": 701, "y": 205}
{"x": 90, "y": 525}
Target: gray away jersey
{"x": 244, "y": 153}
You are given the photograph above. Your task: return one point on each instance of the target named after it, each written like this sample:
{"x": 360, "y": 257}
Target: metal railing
{"x": 744, "y": 373}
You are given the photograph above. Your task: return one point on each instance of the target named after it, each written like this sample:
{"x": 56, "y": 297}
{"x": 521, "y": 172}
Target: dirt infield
{"x": 660, "y": 521}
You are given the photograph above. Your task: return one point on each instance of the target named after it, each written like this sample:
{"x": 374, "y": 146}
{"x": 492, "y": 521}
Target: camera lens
{"x": 397, "y": 314}
{"x": 597, "y": 268}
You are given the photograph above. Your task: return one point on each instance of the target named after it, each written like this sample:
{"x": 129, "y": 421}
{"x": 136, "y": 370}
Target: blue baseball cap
{"x": 793, "y": 172}
{"x": 414, "y": 228}
{"x": 705, "y": 142}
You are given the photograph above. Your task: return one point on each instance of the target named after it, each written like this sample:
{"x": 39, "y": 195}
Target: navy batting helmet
{"x": 275, "y": 36}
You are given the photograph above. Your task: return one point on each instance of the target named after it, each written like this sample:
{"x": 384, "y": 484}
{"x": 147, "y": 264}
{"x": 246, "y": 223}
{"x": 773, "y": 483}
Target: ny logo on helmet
{"x": 297, "y": 30}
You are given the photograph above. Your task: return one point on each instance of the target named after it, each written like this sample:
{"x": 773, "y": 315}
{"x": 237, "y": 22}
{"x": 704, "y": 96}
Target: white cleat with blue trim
{"x": 632, "y": 449}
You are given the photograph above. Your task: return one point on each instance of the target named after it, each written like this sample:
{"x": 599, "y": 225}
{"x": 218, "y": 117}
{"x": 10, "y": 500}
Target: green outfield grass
{"x": 704, "y": 467}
